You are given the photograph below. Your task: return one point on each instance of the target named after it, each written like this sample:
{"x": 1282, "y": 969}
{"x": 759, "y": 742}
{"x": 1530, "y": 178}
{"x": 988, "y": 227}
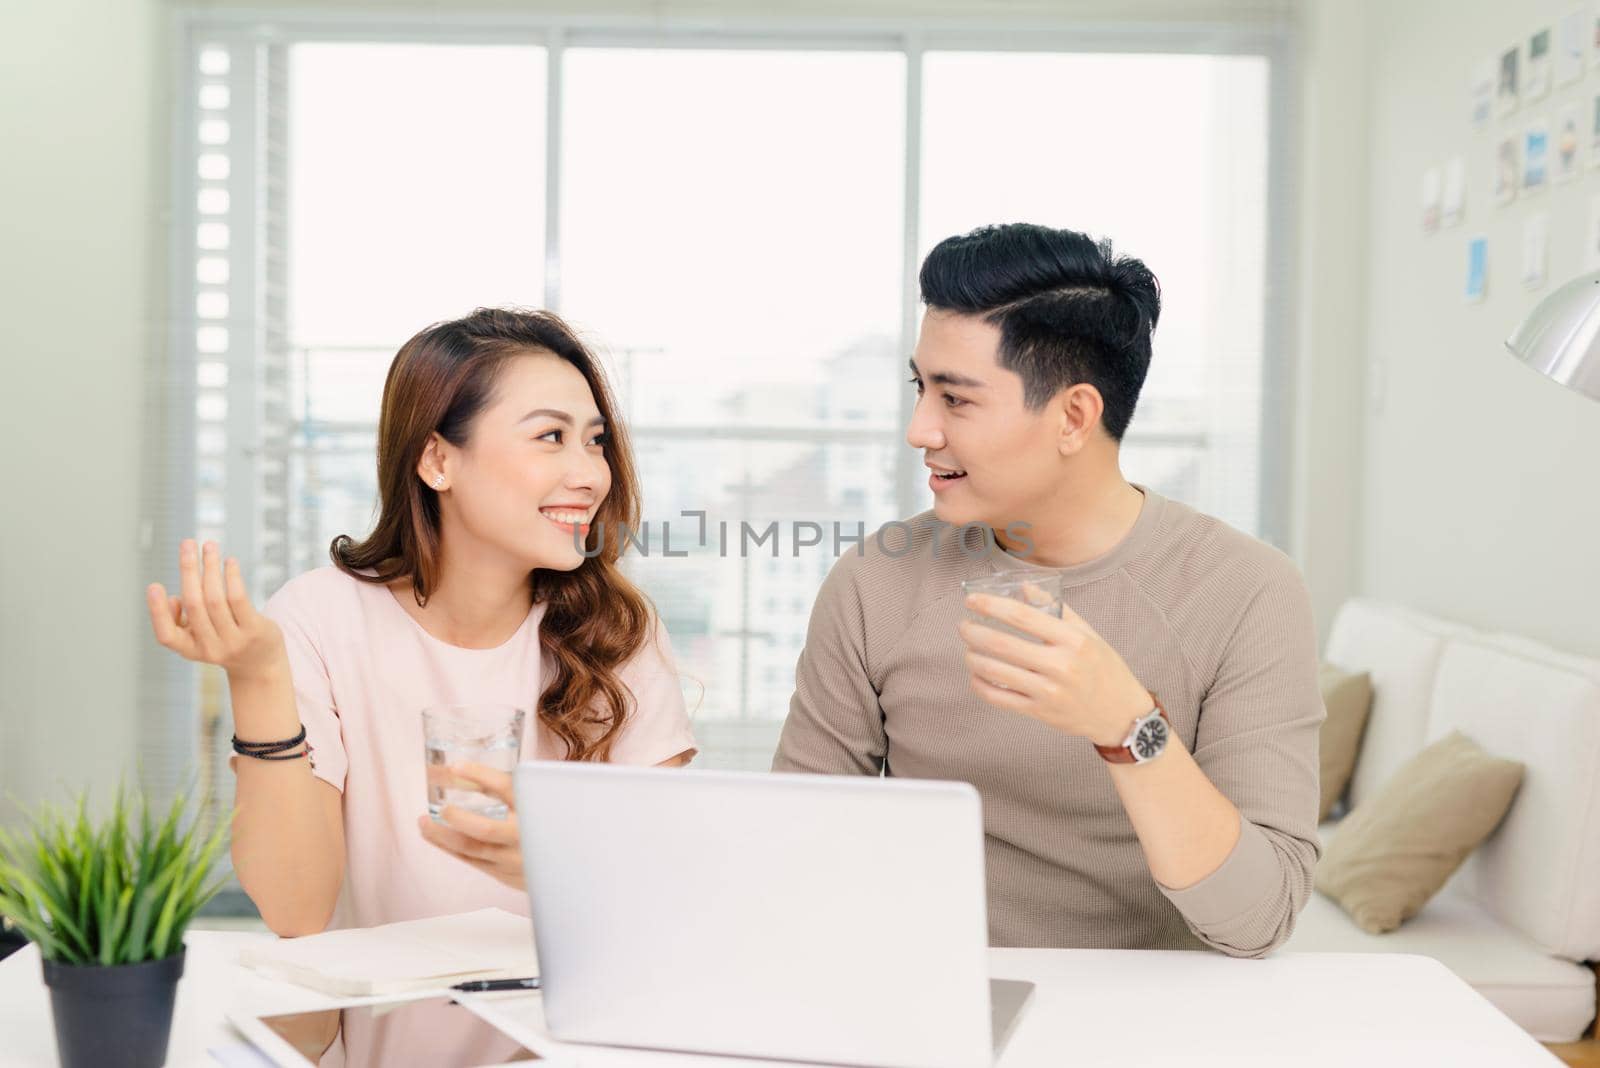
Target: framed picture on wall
{"x": 1432, "y": 191}
{"x": 1569, "y": 54}
{"x": 1565, "y": 161}
{"x": 1480, "y": 90}
{"x": 1535, "y": 157}
{"x": 1453, "y": 201}
{"x": 1477, "y": 269}
{"x": 1507, "y": 171}
{"x": 1594, "y": 133}
{"x": 1505, "y": 90}
{"x": 1535, "y": 249}
{"x": 1536, "y": 78}
{"x": 1591, "y": 245}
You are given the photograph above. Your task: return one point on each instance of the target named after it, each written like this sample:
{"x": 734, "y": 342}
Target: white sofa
{"x": 1524, "y": 910}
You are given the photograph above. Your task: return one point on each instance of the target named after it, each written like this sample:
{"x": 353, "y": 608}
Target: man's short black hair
{"x": 1068, "y": 310}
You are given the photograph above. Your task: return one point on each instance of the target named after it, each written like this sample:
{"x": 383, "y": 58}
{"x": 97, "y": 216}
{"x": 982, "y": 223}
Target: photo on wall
{"x": 1453, "y": 201}
{"x": 1432, "y": 193}
{"x": 1507, "y": 171}
{"x": 1591, "y": 246}
{"x": 1535, "y": 157}
{"x": 1505, "y": 92}
{"x": 1594, "y": 134}
{"x": 1566, "y": 162}
{"x": 1569, "y": 49}
{"x": 1536, "y": 78}
{"x": 1481, "y": 91}
{"x": 1477, "y": 269}
{"x": 1535, "y": 249}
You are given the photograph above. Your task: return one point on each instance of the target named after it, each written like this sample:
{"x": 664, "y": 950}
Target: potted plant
{"x": 107, "y": 905}
{"x": 11, "y": 939}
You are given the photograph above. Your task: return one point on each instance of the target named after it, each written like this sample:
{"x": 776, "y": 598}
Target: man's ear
{"x": 1080, "y": 407}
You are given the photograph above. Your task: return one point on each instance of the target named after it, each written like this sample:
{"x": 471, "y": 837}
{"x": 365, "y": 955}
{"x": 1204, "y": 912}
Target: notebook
{"x": 397, "y": 958}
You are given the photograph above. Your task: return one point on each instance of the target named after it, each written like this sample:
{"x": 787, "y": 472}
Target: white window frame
{"x": 258, "y": 38}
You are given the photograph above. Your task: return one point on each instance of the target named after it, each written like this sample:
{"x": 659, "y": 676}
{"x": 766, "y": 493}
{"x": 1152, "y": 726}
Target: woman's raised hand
{"x": 212, "y": 620}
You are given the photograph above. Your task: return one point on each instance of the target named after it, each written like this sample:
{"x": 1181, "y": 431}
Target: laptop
{"x": 797, "y": 917}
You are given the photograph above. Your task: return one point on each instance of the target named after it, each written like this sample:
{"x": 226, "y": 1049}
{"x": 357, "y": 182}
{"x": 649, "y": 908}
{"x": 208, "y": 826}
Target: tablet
{"x": 435, "y": 1031}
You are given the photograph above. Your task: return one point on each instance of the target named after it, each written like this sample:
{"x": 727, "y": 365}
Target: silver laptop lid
{"x": 805, "y": 917}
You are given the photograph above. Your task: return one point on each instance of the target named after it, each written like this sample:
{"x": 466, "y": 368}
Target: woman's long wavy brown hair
{"x": 594, "y": 619}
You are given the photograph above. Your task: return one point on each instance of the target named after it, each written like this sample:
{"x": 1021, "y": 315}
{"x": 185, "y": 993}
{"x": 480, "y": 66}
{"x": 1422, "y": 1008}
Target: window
{"x": 1176, "y": 174}
{"x": 415, "y": 193}
{"x": 691, "y": 217}
{"x": 736, "y": 224}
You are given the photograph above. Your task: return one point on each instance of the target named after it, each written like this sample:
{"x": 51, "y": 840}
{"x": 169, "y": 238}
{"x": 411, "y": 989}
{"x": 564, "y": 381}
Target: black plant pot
{"x": 119, "y": 1015}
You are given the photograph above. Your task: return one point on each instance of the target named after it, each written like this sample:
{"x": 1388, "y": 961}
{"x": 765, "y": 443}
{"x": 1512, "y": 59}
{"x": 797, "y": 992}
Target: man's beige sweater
{"x": 1217, "y": 624}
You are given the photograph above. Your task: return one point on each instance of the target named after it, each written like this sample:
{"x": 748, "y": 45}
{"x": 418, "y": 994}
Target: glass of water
{"x": 1037, "y": 589}
{"x": 489, "y": 735}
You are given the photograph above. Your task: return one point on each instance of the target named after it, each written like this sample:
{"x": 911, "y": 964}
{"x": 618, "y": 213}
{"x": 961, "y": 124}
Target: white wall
{"x": 75, "y": 119}
{"x": 1482, "y": 494}
{"x": 1330, "y": 292}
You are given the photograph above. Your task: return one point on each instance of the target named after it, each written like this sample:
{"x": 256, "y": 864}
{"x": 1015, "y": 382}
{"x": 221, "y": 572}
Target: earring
{"x": 438, "y": 482}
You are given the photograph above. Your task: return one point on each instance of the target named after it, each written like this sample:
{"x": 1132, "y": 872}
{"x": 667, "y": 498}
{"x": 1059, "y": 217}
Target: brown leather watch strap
{"x": 1121, "y": 754}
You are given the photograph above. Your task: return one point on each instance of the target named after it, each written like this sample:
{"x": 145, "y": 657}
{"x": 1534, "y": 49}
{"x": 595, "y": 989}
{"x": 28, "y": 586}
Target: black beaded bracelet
{"x": 277, "y": 756}
{"x": 270, "y": 750}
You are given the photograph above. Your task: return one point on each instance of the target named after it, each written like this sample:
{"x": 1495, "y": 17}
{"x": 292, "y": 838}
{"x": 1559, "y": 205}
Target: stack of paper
{"x": 400, "y": 957}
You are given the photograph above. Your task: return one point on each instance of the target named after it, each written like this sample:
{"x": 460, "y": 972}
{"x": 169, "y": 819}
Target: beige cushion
{"x": 1348, "y": 697}
{"x": 1395, "y": 850}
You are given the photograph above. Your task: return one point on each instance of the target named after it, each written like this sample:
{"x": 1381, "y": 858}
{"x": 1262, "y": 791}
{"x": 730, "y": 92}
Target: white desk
{"x": 1091, "y": 1008}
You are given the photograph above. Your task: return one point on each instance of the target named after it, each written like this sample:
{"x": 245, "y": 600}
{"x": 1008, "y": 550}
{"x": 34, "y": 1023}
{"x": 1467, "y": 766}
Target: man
{"x": 1033, "y": 349}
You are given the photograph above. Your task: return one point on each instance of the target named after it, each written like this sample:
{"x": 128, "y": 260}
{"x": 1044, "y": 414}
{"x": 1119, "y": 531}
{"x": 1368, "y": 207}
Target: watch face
{"x": 1151, "y": 739}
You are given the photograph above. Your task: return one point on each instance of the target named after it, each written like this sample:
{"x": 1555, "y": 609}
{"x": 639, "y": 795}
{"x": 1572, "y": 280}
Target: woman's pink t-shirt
{"x": 363, "y": 672}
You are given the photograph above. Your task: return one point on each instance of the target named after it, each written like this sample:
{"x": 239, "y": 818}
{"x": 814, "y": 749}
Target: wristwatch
{"x": 1145, "y": 741}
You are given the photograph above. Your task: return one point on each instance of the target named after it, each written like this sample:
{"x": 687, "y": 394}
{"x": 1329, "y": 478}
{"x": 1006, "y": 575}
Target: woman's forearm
{"x": 288, "y": 833}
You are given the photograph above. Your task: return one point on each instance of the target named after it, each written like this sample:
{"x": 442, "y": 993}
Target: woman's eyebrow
{"x": 559, "y": 416}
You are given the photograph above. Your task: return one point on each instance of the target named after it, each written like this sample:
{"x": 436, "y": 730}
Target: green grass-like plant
{"x": 118, "y": 892}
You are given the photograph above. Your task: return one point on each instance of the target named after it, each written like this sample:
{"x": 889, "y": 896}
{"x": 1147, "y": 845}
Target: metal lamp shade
{"x": 1560, "y": 337}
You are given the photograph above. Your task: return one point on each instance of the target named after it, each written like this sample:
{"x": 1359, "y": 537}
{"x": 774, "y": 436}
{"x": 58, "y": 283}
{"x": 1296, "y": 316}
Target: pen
{"x": 479, "y": 986}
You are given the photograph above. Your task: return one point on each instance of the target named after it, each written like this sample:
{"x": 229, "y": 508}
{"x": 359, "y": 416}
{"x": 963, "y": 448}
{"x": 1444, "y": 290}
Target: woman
{"x": 498, "y": 448}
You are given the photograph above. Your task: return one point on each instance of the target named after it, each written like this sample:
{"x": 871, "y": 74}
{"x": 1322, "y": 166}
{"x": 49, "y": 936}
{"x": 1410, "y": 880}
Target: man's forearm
{"x": 1185, "y": 825}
